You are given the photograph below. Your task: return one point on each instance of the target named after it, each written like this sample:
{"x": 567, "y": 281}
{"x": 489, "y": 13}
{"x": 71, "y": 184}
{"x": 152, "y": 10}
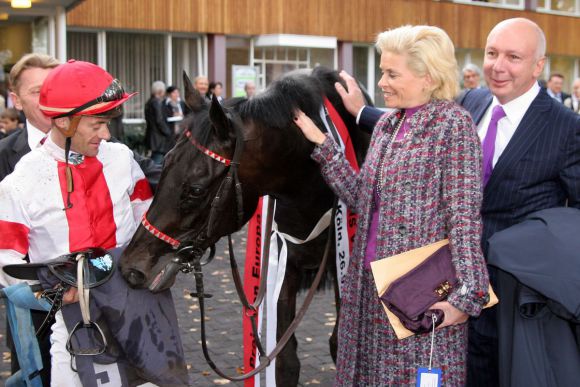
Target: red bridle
{"x": 160, "y": 234}
{"x": 208, "y": 152}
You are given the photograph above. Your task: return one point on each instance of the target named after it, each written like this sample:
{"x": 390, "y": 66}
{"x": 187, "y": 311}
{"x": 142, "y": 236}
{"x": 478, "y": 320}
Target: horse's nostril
{"x": 135, "y": 278}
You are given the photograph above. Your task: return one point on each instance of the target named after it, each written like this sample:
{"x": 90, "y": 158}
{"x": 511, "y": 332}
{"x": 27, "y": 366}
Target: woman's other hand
{"x": 308, "y": 127}
{"x": 453, "y": 316}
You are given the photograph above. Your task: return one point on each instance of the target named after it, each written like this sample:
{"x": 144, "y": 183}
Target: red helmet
{"x": 80, "y": 88}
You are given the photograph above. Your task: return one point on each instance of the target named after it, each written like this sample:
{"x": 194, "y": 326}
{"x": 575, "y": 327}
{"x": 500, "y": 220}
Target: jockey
{"x": 76, "y": 191}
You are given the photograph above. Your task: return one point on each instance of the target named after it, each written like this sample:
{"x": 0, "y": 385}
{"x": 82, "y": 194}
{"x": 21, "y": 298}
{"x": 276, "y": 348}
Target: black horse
{"x": 275, "y": 161}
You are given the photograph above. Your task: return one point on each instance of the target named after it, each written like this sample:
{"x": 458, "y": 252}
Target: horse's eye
{"x": 196, "y": 191}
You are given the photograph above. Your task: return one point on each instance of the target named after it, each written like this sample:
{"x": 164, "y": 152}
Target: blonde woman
{"x": 420, "y": 183}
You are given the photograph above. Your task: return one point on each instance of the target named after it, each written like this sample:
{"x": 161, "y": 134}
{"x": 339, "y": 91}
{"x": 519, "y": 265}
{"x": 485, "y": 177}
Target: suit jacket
{"x": 539, "y": 169}
{"x": 12, "y": 148}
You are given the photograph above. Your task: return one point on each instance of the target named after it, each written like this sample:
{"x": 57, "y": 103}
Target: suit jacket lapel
{"x": 533, "y": 123}
{"x": 481, "y": 109}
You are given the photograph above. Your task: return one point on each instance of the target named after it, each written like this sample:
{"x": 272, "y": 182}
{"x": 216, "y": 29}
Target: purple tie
{"x": 489, "y": 142}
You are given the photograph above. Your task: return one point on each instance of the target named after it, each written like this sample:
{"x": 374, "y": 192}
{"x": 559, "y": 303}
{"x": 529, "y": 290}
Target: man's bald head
{"x": 529, "y": 31}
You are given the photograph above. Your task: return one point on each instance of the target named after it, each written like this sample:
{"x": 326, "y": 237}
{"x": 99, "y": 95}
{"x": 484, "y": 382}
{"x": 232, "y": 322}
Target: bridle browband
{"x": 175, "y": 243}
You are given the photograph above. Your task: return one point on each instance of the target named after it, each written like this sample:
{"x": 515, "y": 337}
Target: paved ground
{"x": 225, "y": 327}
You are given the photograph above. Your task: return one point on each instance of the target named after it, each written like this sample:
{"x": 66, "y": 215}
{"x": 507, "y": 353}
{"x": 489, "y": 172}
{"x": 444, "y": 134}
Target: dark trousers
{"x": 43, "y": 343}
{"x": 482, "y": 360}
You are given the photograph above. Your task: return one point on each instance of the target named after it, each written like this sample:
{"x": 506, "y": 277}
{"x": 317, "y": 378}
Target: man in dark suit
{"x": 535, "y": 159}
{"x": 554, "y": 87}
{"x": 26, "y": 78}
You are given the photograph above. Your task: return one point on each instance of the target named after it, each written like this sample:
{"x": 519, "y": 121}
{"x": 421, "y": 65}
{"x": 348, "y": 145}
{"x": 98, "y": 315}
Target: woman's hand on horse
{"x": 70, "y": 296}
{"x": 453, "y": 316}
{"x": 308, "y": 127}
{"x": 352, "y": 98}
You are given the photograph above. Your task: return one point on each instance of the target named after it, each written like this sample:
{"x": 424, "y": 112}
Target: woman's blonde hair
{"x": 429, "y": 51}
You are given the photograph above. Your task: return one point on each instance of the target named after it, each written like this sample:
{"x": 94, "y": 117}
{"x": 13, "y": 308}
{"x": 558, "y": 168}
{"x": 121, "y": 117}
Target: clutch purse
{"x": 410, "y": 296}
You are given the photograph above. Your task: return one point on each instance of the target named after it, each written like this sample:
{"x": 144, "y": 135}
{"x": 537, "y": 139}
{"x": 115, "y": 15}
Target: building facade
{"x": 141, "y": 41}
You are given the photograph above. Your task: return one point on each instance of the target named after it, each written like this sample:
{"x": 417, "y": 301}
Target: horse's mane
{"x": 274, "y": 108}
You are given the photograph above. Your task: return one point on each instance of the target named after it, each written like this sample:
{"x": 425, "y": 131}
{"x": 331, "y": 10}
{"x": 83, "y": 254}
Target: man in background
{"x": 159, "y": 136}
{"x": 250, "y": 89}
{"x": 471, "y": 80}
{"x": 554, "y": 87}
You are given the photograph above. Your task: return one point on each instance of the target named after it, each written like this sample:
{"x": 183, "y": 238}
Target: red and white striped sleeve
{"x": 141, "y": 194}
{"x": 14, "y": 229}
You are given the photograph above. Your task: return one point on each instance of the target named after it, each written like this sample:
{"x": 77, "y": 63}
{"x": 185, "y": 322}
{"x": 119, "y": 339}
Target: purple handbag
{"x": 410, "y": 296}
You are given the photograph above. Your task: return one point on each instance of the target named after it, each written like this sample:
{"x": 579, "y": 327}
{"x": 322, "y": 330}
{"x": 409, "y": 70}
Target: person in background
{"x": 554, "y": 87}
{"x": 471, "y": 80}
{"x": 215, "y": 88}
{"x": 573, "y": 101}
{"x": 8, "y": 122}
{"x": 174, "y": 110}
{"x": 25, "y": 79}
{"x": 201, "y": 84}
{"x": 471, "y": 76}
{"x": 420, "y": 183}
{"x": 159, "y": 137}
{"x": 250, "y": 89}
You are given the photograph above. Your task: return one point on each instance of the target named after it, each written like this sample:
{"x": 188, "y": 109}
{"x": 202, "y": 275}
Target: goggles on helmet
{"x": 113, "y": 92}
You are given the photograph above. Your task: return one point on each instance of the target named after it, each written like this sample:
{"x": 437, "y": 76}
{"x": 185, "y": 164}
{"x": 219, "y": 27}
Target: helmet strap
{"x": 72, "y": 127}
{"x": 68, "y": 173}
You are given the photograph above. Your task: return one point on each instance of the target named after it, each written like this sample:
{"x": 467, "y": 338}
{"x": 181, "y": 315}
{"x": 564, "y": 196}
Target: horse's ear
{"x": 219, "y": 119}
{"x": 192, "y": 97}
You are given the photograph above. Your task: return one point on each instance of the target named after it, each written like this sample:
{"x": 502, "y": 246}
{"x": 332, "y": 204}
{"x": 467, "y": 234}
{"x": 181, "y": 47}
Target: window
{"x": 137, "y": 60}
{"x": 184, "y": 57}
{"x": 274, "y": 62}
{"x": 517, "y": 4}
{"x": 82, "y": 46}
{"x": 560, "y": 6}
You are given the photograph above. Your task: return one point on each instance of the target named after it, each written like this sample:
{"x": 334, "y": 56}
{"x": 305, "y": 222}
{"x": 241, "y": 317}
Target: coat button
{"x": 407, "y": 184}
{"x": 416, "y": 140}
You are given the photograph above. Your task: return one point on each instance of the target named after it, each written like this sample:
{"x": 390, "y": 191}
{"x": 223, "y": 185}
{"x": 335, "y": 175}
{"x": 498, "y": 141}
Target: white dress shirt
{"x": 507, "y": 126}
{"x": 35, "y": 135}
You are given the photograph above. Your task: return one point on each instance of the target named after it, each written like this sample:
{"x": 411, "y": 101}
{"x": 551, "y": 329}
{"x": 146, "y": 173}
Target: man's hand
{"x": 352, "y": 98}
{"x": 453, "y": 316}
{"x": 70, "y": 296}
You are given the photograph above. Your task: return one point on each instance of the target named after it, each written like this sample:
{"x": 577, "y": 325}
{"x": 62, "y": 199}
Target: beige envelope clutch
{"x": 387, "y": 270}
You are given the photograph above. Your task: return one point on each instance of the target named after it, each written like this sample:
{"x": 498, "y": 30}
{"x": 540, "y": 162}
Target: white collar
{"x": 516, "y": 108}
{"x": 57, "y": 153}
{"x": 35, "y": 135}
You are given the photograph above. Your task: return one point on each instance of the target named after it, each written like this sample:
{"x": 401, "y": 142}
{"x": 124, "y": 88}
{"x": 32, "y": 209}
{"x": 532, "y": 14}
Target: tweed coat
{"x": 431, "y": 190}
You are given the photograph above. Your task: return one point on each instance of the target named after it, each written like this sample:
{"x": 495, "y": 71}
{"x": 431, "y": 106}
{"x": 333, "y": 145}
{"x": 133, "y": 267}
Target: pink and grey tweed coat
{"x": 431, "y": 190}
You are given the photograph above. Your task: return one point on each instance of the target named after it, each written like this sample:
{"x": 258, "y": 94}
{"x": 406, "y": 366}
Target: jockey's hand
{"x": 70, "y": 296}
{"x": 352, "y": 98}
{"x": 453, "y": 316}
{"x": 308, "y": 127}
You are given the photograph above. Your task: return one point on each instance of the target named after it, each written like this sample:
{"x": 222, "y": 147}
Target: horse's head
{"x": 199, "y": 198}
